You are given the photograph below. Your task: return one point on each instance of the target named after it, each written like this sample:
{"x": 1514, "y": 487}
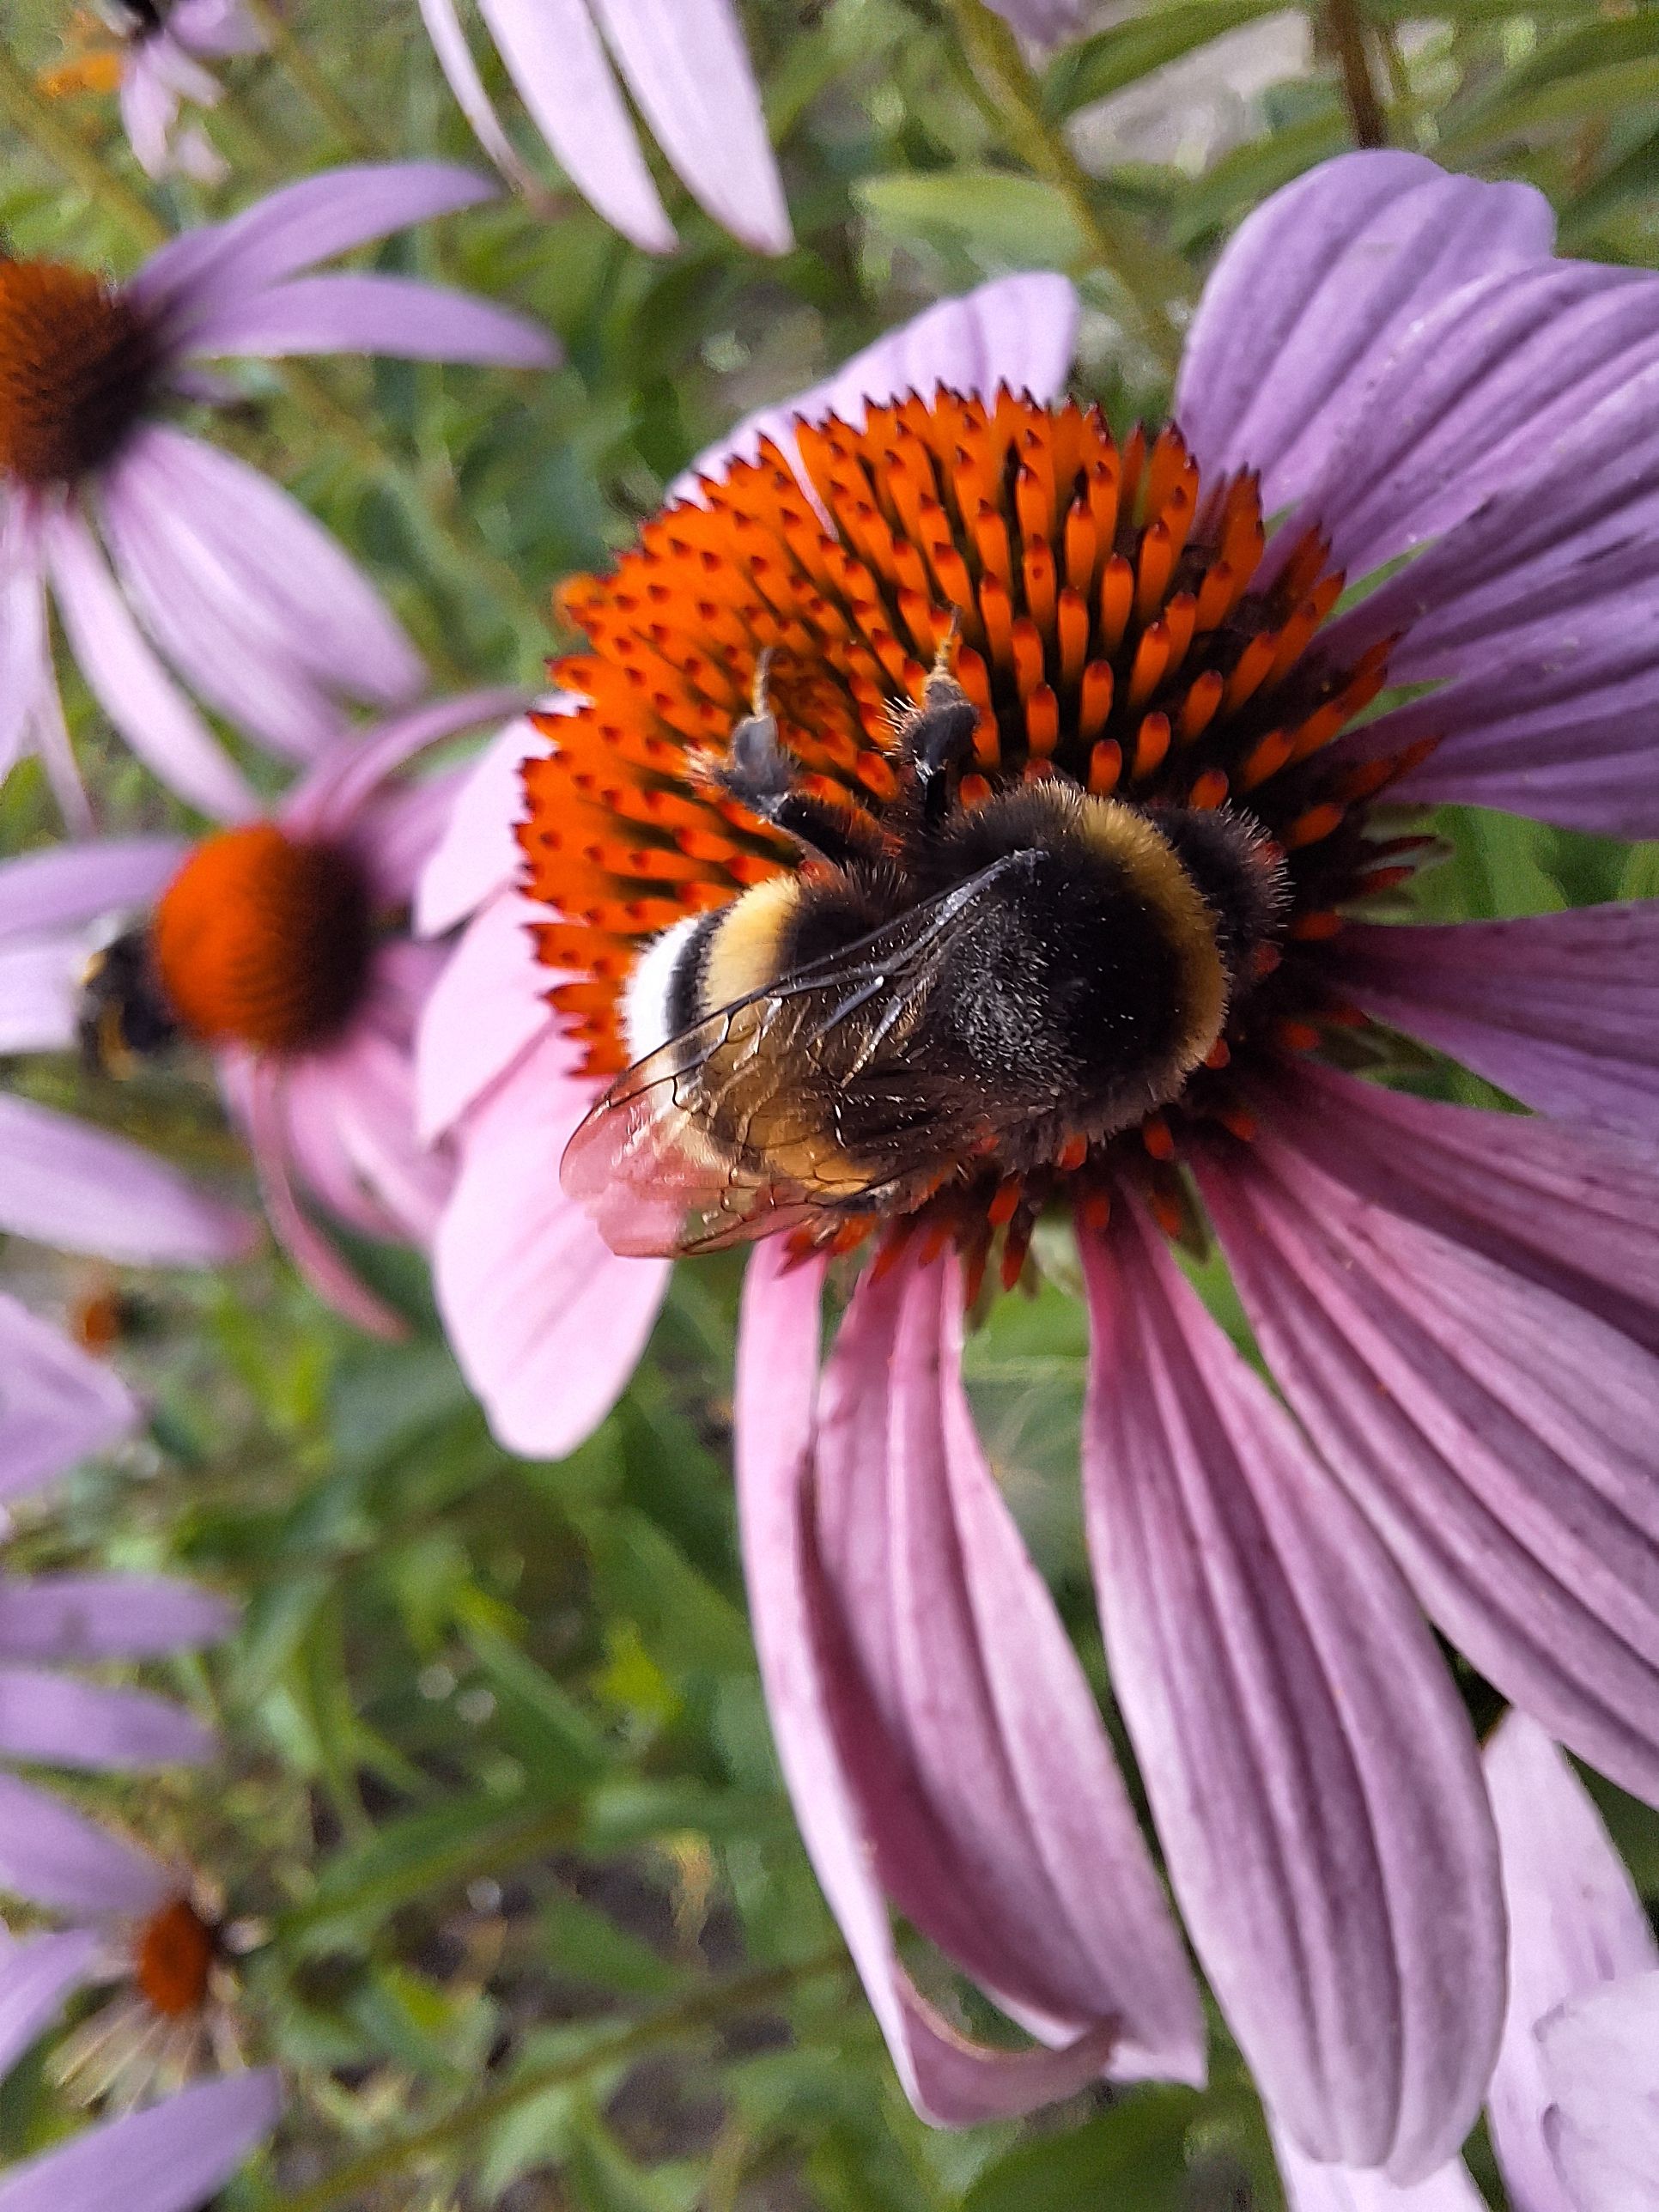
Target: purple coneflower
{"x": 1461, "y": 1308}
{"x": 683, "y": 64}
{"x": 280, "y": 945}
{"x": 153, "y": 53}
{"x": 215, "y": 570}
{"x": 171, "y": 2158}
{"x": 1571, "y": 2108}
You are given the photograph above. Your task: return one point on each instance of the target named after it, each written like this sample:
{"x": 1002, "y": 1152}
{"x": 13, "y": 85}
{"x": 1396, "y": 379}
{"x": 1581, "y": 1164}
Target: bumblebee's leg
{"x": 936, "y": 737}
{"x": 759, "y": 773}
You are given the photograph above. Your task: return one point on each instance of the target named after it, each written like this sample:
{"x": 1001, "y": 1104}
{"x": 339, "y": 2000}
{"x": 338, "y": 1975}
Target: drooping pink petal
{"x": 1018, "y": 331}
{"x": 25, "y": 667}
{"x": 369, "y": 313}
{"x": 56, "y": 1857}
{"x": 1310, "y": 2186}
{"x": 129, "y": 682}
{"x": 1601, "y": 2068}
{"x": 547, "y": 1322}
{"x": 366, "y": 1089}
{"x": 1576, "y": 1923}
{"x": 313, "y": 1253}
{"x": 553, "y": 55}
{"x": 226, "y": 567}
{"x": 686, "y": 64}
{"x": 1501, "y": 1440}
{"x": 937, "y": 1637}
{"x": 330, "y": 797}
{"x": 66, "y": 1722}
{"x": 397, "y": 830}
{"x": 70, "y": 883}
{"x": 1316, "y": 289}
{"x": 58, "y": 1404}
{"x": 219, "y": 28}
{"x": 171, "y": 2158}
{"x": 489, "y": 1005}
{"x": 294, "y": 228}
{"x": 1571, "y": 1209}
{"x": 947, "y": 2077}
{"x": 478, "y": 853}
{"x": 1048, "y": 20}
{"x": 443, "y": 27}
{"x": 1310, "y": 1768}
{"x": 107, "y": 1617}
{"x": 80, "y": 1189}
{"x": 36, "y": 1975}
{"x": 1531, "y": 619}
{"x": 1472, "y": 392}
{"x": 1560, "y": 1010}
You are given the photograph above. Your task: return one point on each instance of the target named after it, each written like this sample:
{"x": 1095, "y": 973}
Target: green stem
{"x": 993, "y": 54}
{"x": 737, "y": 1994}
{"x": 80, "y": 161}
{"x": 292, "y": 55}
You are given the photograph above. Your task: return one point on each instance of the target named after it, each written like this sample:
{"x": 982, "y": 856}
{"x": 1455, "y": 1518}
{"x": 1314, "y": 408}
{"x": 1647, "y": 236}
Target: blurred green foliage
{"x": 535, "y": 1927}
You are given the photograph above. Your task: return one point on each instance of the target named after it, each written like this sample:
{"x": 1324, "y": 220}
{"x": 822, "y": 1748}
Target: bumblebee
{"x": 121, "y": 1015}
{"x": 951, "y": 992}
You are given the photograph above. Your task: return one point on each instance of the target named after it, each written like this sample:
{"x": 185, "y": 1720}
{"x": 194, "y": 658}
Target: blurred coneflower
{"x": 216, "y": 570}
{"x": 154, "y": 55}
{"x": 1461, "y": 1307}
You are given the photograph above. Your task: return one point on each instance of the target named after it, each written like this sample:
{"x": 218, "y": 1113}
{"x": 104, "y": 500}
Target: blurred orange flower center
{"x": 76, "y": 364}
{"x": 263, "y": 940}
{"x": 174, "y": 1958}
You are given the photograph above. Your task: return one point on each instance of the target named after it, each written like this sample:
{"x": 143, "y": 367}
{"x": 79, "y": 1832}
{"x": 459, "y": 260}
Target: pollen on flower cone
{"x": 77, "y": 360}
{"x": 174, "y": 1958}
{"x": 262, "y": 940}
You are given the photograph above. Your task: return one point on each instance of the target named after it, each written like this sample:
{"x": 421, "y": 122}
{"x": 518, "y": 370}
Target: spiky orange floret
{"x": 173, "y": 1960}
{"x": 263, "y": 940}
{"x": 78, "y": 361}
{"x": 1110, "y": 627}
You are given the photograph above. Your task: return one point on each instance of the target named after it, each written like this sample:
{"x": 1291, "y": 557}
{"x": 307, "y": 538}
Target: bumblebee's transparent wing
{"x": 798, "y": 1098}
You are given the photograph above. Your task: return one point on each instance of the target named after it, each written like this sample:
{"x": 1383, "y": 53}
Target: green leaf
{"x": 1134, "y": 2155}
{"x": 1584, "y": 76}
{"x": 586, "y": 1945}
{"x": 1129, "y": 51}
{"x": 1016, "y": 221}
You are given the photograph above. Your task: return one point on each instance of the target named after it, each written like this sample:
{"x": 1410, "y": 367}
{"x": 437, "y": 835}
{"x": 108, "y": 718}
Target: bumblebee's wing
{"x": 797, "y": 1097}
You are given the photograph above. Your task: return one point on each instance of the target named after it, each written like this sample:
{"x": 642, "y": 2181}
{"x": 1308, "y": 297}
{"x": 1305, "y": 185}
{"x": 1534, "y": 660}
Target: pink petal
{"x": 75, "y": 884}
{"x": 686, "y": 64}
{"x": 489, "y": 1005}
{"x": 66, "y": 1723}
{"x": 1570, "y": 1209}
{"x": 443, "y": 27}
{"x": 1501, "y": 1440}
{"x": 547, "y": 1323}
{"x": 479, "y": 854}
{"x": 1315, "y": 291}
{"x": 371, "y": 313}
{"x": 366, "y": 1089}
{"x": 83, "y": 1190}
{"x": 1311, "y": 2187}
{"x": 131, "y": 684}
{"x": 294, "y": 228}
{"x": 108, "y": 1617}
{"x": 36, "y": 1977}
{"x": 227, "y": 567}
{"x": 950, "y": 2079}
{"x": 171, "y": 2158}
{"x": 1575, "y": 1923}
{"x": 971, "y": 1741}
{"x": 1532, "y": 619}
{"x": 354, "y": 767}
{"x": 1018, "y": 331}
{"x": 57, "y": 1406}
{"x": 40, "y": 996}
{"x": 56, "y": 1857}
{"x": 318, "y": 1259}
{"x": 1047, "y": 21}
{"x": 1309, "y": 1766}
{"x": 1560, "y": 1010}
{"x": 1475, "y": 391}
{"x": 1601, "y": 2066}
{"x": 553, "y": 54}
